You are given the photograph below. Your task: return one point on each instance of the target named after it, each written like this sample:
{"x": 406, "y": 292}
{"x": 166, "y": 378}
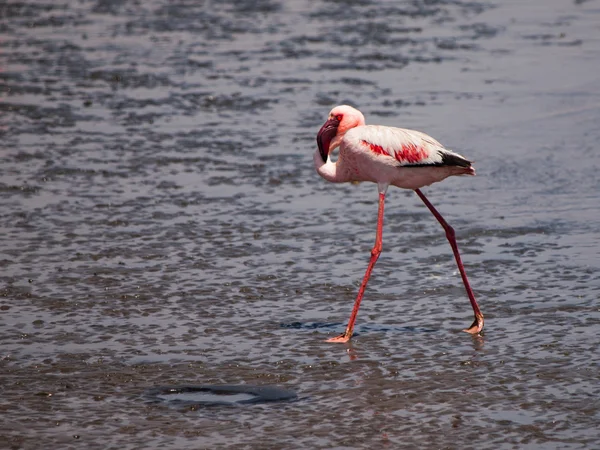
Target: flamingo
{"x": 407, "y": 159}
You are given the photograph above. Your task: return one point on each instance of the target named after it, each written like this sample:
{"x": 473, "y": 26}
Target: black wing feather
{"x": 448, "y": 159}
{"x": 452, "y": 159}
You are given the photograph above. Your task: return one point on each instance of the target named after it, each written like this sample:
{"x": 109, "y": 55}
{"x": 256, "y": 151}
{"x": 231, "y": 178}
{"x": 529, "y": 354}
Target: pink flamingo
{"x": 407, "y": 159}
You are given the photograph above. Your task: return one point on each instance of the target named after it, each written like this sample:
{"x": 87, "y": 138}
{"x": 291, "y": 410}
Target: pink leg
{"x": 375, "y": 252}
{"x": 477, "y": 325}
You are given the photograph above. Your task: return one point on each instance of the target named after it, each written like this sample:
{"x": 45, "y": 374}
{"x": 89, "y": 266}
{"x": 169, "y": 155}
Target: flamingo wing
{"x": 406, "y": 147}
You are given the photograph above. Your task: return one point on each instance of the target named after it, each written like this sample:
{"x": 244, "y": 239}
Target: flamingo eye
{"x": 339, "y": 117}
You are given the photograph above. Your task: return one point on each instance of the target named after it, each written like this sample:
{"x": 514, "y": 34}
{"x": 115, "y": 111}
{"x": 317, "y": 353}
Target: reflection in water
{"x": 478, "y": 340}
{"x": 353, "y": 355}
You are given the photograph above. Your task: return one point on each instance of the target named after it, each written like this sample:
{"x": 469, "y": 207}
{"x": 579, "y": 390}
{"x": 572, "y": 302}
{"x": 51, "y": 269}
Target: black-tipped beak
{"x": 325, "y": 135}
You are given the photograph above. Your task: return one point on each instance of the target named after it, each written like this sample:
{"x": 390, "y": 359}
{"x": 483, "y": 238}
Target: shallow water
{"x": 163, "y": 225}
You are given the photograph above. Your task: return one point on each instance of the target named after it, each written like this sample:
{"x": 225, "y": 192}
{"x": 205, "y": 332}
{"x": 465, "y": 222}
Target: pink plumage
{"x": 387, "y": 156}
{"x": 404, "y": 158}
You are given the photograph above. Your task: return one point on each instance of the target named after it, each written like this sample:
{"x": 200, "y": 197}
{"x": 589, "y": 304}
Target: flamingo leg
{"x": 375, "y": 252}
{"x": 477, "y": 325}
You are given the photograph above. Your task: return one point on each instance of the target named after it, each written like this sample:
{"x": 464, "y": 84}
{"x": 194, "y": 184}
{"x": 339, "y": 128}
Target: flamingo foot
{"x": 341, "y": 338}
{"x": 476, "y": 326}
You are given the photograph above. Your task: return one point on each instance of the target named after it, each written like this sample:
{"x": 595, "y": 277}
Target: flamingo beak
{"x": 325, "y": 135}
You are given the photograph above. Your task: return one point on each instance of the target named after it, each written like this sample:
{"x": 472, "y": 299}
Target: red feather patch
{"x": 410, "y": 153}
{"x": 378, "y": 149}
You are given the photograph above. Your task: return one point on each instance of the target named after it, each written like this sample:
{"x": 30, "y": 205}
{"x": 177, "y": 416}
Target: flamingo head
{"x": 341, "y": 119}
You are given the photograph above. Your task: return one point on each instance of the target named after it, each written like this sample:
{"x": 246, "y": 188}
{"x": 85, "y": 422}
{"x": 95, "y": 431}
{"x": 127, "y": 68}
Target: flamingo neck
{"x": 329, "y": 169}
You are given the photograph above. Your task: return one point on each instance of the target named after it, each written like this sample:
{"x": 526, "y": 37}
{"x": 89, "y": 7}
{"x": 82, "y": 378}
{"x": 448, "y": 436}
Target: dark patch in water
{"x": 213, "y": 395}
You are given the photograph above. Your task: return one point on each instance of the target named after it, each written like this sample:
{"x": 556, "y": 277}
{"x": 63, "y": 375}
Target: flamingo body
{"x": 399, "y": 157}
{"x": 387, "y": 156}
